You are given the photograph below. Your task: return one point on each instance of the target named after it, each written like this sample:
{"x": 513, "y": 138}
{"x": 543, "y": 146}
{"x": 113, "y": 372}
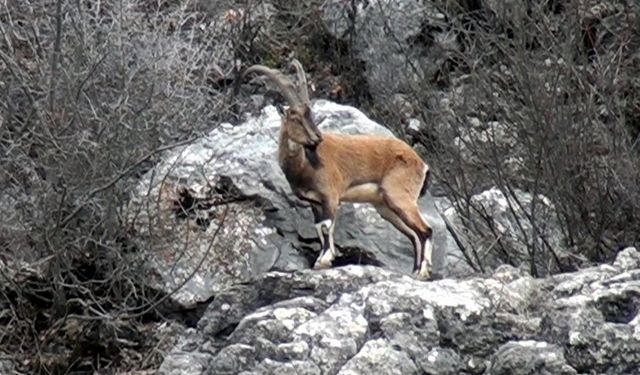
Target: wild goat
{"x": 326, "y": 169}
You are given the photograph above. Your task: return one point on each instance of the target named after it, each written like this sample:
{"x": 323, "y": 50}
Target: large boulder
{"x": 354, "y": 319}
{"x": 179, "y": 216}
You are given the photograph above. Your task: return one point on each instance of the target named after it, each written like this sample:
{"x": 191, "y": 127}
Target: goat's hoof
{"x": 320, "y": 265}
{"x": 423, "y": 274}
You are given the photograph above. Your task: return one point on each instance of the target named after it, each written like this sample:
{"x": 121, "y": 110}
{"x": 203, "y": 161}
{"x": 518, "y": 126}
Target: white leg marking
{"x": 319, "y": 232}
{"x": 331, "y": 243}
{"x": 323, "y": 223}
{"x": 425, "y": 267}
{"x": 428, "y": 248}
{"x": 326, "y": 257}
{"x": 418, "y": 249}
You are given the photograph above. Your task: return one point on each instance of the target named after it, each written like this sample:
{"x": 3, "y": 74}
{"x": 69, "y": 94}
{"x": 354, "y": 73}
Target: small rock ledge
{"x": 365, "y": 319}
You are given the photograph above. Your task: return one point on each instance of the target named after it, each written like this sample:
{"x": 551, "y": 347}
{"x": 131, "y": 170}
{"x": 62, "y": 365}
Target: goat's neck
{"x": 289, "y": 151}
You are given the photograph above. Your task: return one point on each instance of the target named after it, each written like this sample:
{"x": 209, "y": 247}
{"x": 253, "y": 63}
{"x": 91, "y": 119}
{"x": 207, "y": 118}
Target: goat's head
{"x": 297, "y": 119}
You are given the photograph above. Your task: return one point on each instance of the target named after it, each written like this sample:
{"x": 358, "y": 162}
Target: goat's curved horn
{"x": 287, "y": 88}
{"x": 303, "y": 90}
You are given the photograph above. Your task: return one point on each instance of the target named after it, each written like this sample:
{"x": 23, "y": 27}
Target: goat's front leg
{"x": 325, "y": 220}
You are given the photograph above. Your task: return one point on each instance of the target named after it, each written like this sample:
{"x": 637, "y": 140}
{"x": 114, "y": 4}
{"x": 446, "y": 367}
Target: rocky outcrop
{"x": 353, "y": 319}
{"x": 179, "y": 216}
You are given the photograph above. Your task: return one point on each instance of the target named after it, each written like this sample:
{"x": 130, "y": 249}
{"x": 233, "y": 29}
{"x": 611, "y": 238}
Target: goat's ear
{"x": 280, "y": 109}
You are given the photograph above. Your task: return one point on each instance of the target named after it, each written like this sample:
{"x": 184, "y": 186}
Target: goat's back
{"x": 368, "y": 158}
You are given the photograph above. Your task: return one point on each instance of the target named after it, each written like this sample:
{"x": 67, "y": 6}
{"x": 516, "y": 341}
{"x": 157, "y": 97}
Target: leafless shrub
{"x": 92, "y": 94}
{"x": 542, "y": 109}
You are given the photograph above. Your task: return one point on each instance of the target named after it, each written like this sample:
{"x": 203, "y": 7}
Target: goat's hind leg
{"x": 425, "y": 233}
{"x": 397, "y": 222}
{"x": 405, "y": 207}
{"x": 325, "y": 221}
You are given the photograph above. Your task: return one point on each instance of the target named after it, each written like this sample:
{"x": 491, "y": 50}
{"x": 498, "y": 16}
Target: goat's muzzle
{"x": 315, "y": 138}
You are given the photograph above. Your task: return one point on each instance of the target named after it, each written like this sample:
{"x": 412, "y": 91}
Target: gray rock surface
{"x": 354, "y": 319}
{"x": 7, "y": 366}
{"x": 383, "y": 31}
{"x": 477, "y": 137}
{"x": 628, "y": 259}
{"x": 267, "y": 227}
{"x": 530, "y": 357}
